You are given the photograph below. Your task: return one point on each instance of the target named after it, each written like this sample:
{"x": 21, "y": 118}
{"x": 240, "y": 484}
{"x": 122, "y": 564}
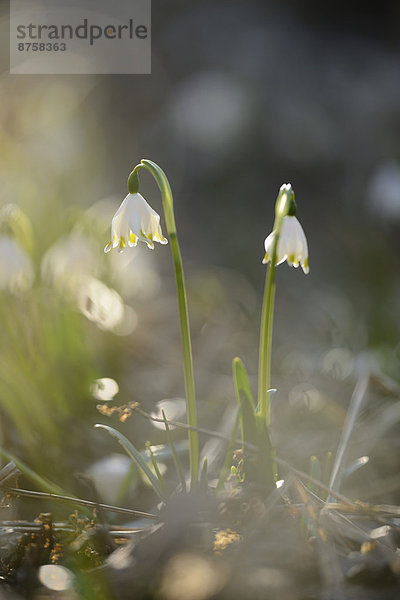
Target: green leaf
{"x": 245, "y": 400}
{"x": 258, "y": 468}
{"x": 136, "y": 457}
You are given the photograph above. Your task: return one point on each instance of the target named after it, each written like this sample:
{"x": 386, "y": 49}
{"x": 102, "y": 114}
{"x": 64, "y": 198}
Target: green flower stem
{"x": 264, "y": 368}
{"x": 282, "y": 207}
{"x": 167, "y": 199}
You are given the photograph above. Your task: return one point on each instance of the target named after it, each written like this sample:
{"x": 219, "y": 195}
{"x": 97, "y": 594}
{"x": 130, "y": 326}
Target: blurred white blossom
{"x": 56, "y": 577}
{"x": 16, "y": 267}
{"x": 173, "y": 408}
{"x": 104, "y": 389}
{"x": 71, "y": 257}
{"x": 108, "y": 475}
{"x": 100, "y": 303}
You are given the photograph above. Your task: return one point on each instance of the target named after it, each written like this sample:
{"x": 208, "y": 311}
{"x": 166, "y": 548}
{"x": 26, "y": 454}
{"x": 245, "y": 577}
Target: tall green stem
{"x": 282, "y": 207}
{"x": 167, "y": 200}
{"x": 264, "y": 365}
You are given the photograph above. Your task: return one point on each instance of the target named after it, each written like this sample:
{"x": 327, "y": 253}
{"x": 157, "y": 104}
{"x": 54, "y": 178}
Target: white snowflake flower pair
{"x": 135, "y": 221}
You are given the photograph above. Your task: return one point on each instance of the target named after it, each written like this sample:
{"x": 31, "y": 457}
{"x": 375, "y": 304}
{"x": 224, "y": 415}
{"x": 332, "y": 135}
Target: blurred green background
{"x": 243, "y": 96}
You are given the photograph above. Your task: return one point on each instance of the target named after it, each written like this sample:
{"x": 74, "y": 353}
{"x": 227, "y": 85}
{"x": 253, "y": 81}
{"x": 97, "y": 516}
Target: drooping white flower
{"x": 292, "y": 245}
{"x": 135, "y": 221}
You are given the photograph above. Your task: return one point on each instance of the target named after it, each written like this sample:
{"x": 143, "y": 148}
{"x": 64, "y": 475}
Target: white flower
{"x": 70, "y": 261}
{"x": 135, "y": 221}
{"x": 292, "y": 245}
{"x": 100, "y": 304}
{"x": 108, "y": 475}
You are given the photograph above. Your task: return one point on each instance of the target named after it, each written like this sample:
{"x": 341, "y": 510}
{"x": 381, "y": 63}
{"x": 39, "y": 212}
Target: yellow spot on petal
{"x": 266, "y": 258}
{"x": 108, "y": 247}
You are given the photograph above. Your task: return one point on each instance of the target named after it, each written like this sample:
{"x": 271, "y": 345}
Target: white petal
{"x": 300, "y": 239}
{"x": 268, "y": 242}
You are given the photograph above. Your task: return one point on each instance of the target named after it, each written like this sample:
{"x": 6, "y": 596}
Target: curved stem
{"x": 167, "y": 199}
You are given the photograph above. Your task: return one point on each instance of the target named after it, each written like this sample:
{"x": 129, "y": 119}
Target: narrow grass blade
{"x": 43, "y": 483}
{"x": 175, "y": 456}
{"x": 156, "y": 468}
{"x": 127, "y": 481}
{"x": 326, "y": 475}
{"x": 78, "y": 502}
{"x": 352, "y": 414}
{"x": 315, "y": 472}
{"x": 355, "y": 465}
{"x": 203, "y": 476}
{"x": 136, "y": 457}
{"x": 327, "y": 468}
